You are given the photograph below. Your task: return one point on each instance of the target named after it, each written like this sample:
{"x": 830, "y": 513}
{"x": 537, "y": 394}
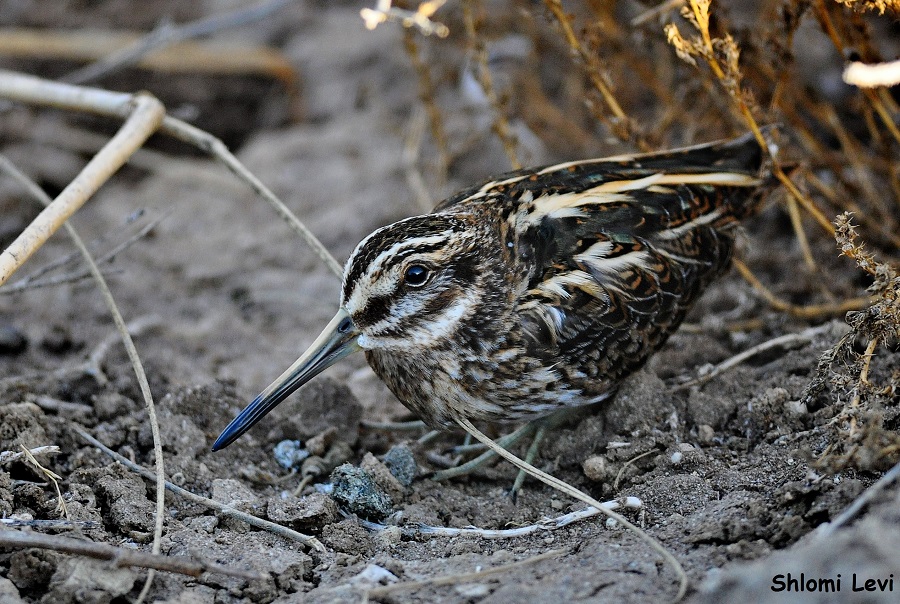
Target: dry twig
{"x": 482, "y": 73}
{"x": 420, "y": 18}
{"x": 130, "y": 348}
{"x": 223, "y": 509}
{"x": 11, "y": 456}
{"x": 28, "y": 89}
{"x": 549, "y": 524}
{"x": 379, "y": 592}
{"x": 792, "y": 339}
{"x": 145, "y": 114}
{"x": 568, "y": 489}
{"x": 121, "y": 556}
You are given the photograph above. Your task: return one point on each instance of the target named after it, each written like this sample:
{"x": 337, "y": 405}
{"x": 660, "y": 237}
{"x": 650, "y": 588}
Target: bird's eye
{"x": 415, "y": 275}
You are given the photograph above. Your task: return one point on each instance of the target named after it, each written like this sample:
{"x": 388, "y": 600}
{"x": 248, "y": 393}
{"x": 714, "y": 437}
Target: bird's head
{"x": 407, "y": 286}
{"x": 410, "y": 284}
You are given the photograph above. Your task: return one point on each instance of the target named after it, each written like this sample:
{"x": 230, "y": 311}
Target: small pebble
{"x": 706, "y": 434}
{"x": 374, "y": 575}
{"x": 401, "y": 463}
{"x": 595, "y": 468}
{"x": 290, "y": 454}
{"x": 389, "y": 537}
{"x": 796, "y": 408}
{"x": 383, "y": 477}
{"x": 12, "y": 341}
{"x": 677, "y": 457}
{"x": 357, "y": 492}
{"x": 473, "y": 590}
{"x": 310, "y": 513}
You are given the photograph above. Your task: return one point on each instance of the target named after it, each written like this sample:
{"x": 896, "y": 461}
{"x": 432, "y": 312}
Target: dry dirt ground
{"x": 225, "y": 298}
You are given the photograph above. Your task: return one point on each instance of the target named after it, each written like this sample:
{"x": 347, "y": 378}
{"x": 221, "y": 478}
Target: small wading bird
{"x": 539, "y": 290}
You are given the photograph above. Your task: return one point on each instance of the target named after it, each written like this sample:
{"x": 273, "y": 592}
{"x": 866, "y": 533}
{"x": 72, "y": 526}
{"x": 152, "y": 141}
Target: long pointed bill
{"x": 337, "y": 340}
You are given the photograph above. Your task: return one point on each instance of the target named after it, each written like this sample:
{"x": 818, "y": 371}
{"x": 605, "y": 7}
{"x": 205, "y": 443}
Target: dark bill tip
{"x": 336, "y": 341}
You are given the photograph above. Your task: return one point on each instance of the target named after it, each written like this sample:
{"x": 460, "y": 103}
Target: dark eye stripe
{"x": 377, "y": 308}
{"x": 361, "y": 264}
{"x": 407, "y": 230}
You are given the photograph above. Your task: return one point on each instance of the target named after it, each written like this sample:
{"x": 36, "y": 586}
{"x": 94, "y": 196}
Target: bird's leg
{"x": 538, "y": 427}
{"x": 529, "y": 457}
{"x": 470, "y": 466}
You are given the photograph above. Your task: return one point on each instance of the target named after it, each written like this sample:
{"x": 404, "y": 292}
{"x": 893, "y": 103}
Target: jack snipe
{"x": 539, "y": 290}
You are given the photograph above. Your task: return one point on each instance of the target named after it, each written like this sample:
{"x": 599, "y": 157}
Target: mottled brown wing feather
{"x": 611, "y": 282}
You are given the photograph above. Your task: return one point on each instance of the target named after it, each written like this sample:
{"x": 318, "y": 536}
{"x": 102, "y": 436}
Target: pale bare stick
{"x": 121, "y": 556}
{"x": 568, "y": 489}
{"x": 207, "y": 142}
{"x": 168, "y": 34}
{"x": 410, "y": 426}
{"x": 32, "y": 188}
{"x": 549, "y": 524}
{"x": 192, "y": 57}
{"x": 51, "y": 476}
{"x": 872, "y": 75}
{"x": 31, "y": 281}
{"x": 223, "y": 509}
{"x": 420, "y": 18}
{"x": 11, "y": 456}
{"x": 32, "y": 90}
{"x": 657, "y": 11}
{"x": 826, "y": 530}
{"x": 55, "y": 525}
{"x": 379, "y": 592}
{"x": 792, "y": 339}
{"x": 143, "y": 121}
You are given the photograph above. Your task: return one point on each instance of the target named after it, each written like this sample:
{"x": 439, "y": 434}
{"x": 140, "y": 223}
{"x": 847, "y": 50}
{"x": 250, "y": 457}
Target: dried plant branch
{"x": 52, "y": 476}
{"x": 792, "y": 339}
{"x": 549, "y": 524}
{"x": 722, "y": 57}
{"x": 412, "y": 145}
{"x": 859, "y": 424}
{"x": 628, "y": 464}
{"x": 31, "y": 281}
{"x": 568, "y": 489}
{"x": 620, "y": 124}
{"x": 812, "y": 311}
{"x": 380, "y": 592}
{"x": 37, "y": 91}
{"x": 11, "y": 456}
{"x": 825, "y": 531}
{"x": 121, "y": 556}
{"x": 145, "y": 116}
{"x": 482, "y": 73}
{"x": 167, "y": 34}
{"x": 52, "y": 525}
{"x": 223, "y": 509}
{"x": 435, "y": 120}
{"x": 420, "y": 18}
{"x": 186, "y": 57}
{"x": 130, "y": 349}
{"x": 661, "y": 9}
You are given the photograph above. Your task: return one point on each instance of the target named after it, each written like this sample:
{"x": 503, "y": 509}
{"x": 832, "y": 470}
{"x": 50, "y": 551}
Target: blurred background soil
{"x": 735, "y": 473}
